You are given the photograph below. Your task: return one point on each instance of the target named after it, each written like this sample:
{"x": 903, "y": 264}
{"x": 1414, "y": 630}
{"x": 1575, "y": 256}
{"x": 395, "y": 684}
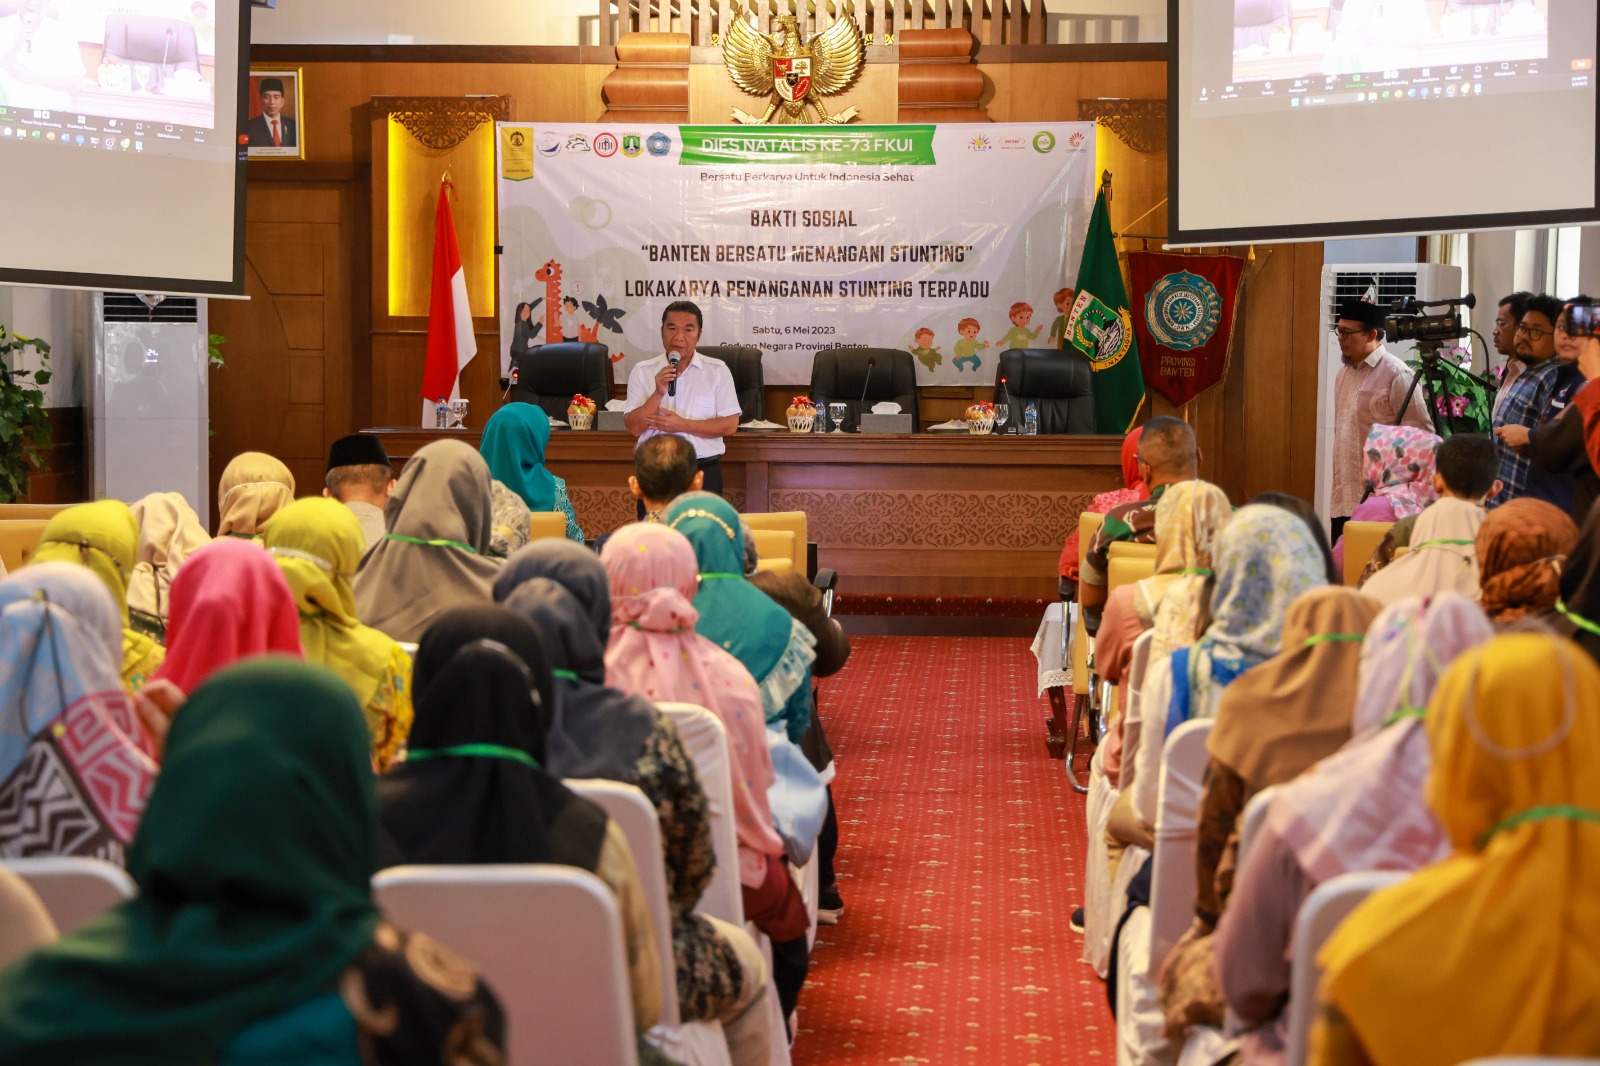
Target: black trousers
{"x": 711, "y": 468}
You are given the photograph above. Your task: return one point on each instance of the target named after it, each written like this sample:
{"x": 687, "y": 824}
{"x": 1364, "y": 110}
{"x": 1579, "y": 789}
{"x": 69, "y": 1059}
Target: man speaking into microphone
{"x": 677, "y": 392}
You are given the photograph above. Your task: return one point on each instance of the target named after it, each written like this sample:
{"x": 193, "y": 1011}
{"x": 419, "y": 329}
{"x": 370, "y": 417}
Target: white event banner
{"x": 953, "y": 241}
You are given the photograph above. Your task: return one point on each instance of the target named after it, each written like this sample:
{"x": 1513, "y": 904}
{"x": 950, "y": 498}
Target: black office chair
{"x": 550, "y": 374}
{"x": 168, "y": 45}
{"x": 1060, "y": 383}
{"x": 838, "y": 375}
{"x": 748, "y": 379}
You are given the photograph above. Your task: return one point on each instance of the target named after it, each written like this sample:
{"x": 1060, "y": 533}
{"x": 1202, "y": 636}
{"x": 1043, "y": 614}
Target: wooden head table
{"x": 924, "y": 514}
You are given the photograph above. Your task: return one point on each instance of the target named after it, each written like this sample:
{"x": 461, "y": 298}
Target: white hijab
{"x": 1443, "y": 556}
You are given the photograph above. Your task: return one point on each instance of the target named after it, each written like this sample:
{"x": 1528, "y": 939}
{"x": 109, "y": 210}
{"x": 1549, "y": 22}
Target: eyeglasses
{"x": 1341, "y": 331}
{"x": 1533, "y": 331}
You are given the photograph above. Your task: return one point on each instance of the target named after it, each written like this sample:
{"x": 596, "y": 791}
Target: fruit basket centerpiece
{"x": 980, "y": 419}
{"x": 802, "y": 415}
{"x": 580, "y": 412}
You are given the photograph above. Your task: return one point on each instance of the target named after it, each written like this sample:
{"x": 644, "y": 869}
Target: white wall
{"x": 1152, "y": 14}
{"x": 60, "y": 317}
{"x": 476, "y": 22}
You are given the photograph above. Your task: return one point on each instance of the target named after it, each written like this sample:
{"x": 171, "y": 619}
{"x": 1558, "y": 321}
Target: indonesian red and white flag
{"x": 451, "y": 344}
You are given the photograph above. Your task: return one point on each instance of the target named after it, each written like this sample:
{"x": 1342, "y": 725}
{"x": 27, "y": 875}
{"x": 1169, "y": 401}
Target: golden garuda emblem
{"x": 799, "y": 72}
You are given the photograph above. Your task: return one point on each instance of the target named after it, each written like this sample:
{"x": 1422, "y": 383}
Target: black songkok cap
{"x": 358, "y": 449}
{"x": 1369, "y": 315}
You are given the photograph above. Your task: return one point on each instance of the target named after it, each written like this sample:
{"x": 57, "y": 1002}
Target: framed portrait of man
{"x": 274, "y": 129}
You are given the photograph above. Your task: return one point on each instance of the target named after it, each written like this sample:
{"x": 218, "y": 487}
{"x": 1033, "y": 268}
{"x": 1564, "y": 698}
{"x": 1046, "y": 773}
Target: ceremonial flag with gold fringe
{"x": 1100, "y": 327}
{"x": 1183, "y": 315}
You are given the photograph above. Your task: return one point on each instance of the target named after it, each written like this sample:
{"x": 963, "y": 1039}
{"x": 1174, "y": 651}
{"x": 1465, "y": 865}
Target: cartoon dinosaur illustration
{"x": 550, "y": 274}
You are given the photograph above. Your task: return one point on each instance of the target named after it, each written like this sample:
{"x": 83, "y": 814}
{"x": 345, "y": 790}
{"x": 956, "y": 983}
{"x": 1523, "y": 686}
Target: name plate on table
{"x": 871, "y": 423}
{"x": 610, "y": 420}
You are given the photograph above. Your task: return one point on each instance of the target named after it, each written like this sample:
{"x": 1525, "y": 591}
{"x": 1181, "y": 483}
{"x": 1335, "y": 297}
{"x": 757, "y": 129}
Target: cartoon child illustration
{"x": 969, "y": 344}
{"x": 1019, "y": 336}
{"x": 1058, "y": 329}
{"x": 569, "y": 319}
{"x": 926, "y": 354}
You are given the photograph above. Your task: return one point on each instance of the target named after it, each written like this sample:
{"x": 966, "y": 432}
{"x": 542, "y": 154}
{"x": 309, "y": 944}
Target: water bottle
{"x": 441, "y": 414}
{"x": 1030, "y": 420}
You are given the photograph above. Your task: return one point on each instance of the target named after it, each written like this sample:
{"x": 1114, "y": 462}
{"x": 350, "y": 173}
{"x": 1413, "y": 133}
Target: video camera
{"x": 1408, "y": 321}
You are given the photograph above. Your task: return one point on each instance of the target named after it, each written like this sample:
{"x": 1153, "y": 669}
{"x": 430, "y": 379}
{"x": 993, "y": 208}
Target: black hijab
{"x": 598, "y": 731}
{"x": 570, "y": 565}
{"x": 474, "y": 788}
{"x": 1578, "y": 611}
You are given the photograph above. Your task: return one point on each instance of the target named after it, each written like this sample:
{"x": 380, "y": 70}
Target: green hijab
{"x": 513, "y": 445}
{"x": 253, "y": 863}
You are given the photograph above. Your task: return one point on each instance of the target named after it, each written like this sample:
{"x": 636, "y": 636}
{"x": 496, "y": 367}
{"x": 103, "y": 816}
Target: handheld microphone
{"x": 861, "y": 407}
{"x": 672, "y": 386}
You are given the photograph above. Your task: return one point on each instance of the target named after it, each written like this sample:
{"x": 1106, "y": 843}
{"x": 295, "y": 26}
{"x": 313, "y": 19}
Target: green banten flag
{"x": 1101, "y": 328}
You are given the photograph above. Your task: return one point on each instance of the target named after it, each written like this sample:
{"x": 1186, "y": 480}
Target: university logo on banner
{"x": 1184, "y": 317}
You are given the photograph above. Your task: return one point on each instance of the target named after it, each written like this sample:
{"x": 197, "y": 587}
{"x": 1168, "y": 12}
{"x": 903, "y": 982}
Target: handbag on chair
{"x": 798, "y": 798}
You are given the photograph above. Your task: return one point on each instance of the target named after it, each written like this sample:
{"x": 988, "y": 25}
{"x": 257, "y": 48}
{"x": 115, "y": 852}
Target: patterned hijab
{"x": 75, "y": 764}
{"x": 1188, "y": 518}
{"x": 1491, "y": 951}
{"x": 1521, "y": 546}
{"x": 169, "y": 532}
{"x": 229, "y": 602}
{"x": 514, "y": 443}
{"x": 254, "y": 862}
{"x": 512, "y": 521}
{"x": 252, "y": 488}
{"x": 656, "y": 653}
{"x": 1399, "y": 467}
{"x": 104, "y": 537}
{"x": 1362, "y": 807}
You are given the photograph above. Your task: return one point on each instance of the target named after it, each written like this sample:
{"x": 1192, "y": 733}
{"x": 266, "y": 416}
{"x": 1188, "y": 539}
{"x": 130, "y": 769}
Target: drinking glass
{"x": 141, "y": 76}
{"x": 458, "y": 414}
{"x": 836, "y": 413}
{"x": 1002, "y": 411}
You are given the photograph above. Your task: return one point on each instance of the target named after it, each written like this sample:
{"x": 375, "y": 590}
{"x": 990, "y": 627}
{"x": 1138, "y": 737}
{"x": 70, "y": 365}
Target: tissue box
{"x": 871, "y": 423}
{"x": 609, "y": 420}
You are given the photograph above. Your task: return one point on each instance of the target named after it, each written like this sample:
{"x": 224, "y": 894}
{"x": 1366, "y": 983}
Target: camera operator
{"x": 1524, "y": 402}
{"x": 1556, "y": 445}
{"x": 1371, "y": 386}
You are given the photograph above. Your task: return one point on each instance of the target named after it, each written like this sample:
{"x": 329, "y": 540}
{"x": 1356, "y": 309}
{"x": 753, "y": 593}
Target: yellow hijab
{"x": 252, "y": 489}
{"x": 169, "y": 532}
{"x": 104, "y": 537}
{"x": 317, "y": 543}
{"x": 1492, "y": 950}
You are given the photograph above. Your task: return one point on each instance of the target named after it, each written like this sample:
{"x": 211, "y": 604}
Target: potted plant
{"x": 24, "y": 430}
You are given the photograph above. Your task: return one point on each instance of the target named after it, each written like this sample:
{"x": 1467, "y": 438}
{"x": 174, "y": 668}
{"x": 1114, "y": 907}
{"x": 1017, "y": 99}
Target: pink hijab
{"x": 1362, "y": 808}
{"x": 229, "y": 602}
{"x": 654, "y": 652}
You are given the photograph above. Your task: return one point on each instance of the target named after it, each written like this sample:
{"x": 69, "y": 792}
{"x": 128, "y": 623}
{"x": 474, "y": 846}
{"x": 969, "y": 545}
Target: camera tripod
{"x": 1434, "y": 379}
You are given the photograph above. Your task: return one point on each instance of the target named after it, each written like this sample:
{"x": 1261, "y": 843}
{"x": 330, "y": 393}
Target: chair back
{"x": 1172, "y": 879}
{"x": 1127, "y": 563}
{"x": 1327, "y": 905}
{"x": 707, "y": 744}
{"x": 774, "y": 549}
{"x": 9, "y": 511}
{"x": 1059, "y": 383}
{"x": 18, "y": 539}
{"x": 793, "y": 521}
{"x": 168, "y": 44}
{"x": 1088, "y": 526}
{"x": 543, "y": 524}
{"x": 841, "y": 375}
{"x": 748, "y": 379}
{"x": 73, "y": 888}
{"x": 1133, "y": 711}
{"x": 548, "y": 375}
{"x": 1361, "y": 539}
{"x": 627, "y": 806}
{"x": 547, "y": 938}
{"x": 25, "y": 924}
{"x": 1255, "y": 813}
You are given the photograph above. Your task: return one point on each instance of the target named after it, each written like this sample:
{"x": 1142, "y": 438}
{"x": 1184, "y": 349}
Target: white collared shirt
{"x": 705, "y": 390}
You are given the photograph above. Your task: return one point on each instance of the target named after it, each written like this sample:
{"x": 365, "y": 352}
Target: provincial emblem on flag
{"x": 1182, "y": 310}
{"x": 1101, "y": 332}
{"x": 791, "y": 76}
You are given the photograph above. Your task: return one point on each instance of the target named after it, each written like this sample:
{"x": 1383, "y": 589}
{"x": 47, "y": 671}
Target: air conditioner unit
{"x": 1343, "y": 281}
{"x": 149, "y": 398}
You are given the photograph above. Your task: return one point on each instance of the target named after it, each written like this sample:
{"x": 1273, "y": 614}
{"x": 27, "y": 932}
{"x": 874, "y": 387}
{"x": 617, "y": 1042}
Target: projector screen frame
{"x": 170, "y": 286}
{"x": 1178, "y": 237}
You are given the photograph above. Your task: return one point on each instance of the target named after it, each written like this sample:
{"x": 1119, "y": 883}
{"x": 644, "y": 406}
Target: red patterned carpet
{"x": 960, "y": 855}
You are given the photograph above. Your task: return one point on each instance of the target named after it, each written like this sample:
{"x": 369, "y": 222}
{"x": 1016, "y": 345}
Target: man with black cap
{"x": 1369, "y": 391}
{"x": 360, "y": 477}
{"x": 272, "y": 128}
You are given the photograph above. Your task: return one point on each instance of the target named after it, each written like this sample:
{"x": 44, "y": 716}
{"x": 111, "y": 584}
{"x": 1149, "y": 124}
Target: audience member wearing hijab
{"x": 229, "y": 602}
{"x": 511, "y": 519}
{"x": 1443, "y": 555}
{"x": 1265, "y": 559}
{"x": 475, "y": 789}
{"x": 1133, "y": 490}
{"x": 169, "y": 532}
{"x": 1521, "y": 547}
{"x": 1577, "y": 612}
{"x": 514, "y": 443}
{"x": 67, "y": 729}
{"x": 104, "y": 537}
{"x": 317, "y": 543}
{"x": 252, "y": 489}
{"x": 773, "y": 645}
{"x": 1272, "y": 723}
{"x": 1361, "y": 808}
{"x": 1302, "y": 509}
{"x": 435, "y": 555}
{"x": 254, "y": 936}
{"x": 1398, "y": 462}
{"x": 1491, "y": 951}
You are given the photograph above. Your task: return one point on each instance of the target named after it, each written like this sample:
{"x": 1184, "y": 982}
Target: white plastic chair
{"x": 691, "y": 1043}
{"x": 1172, "y": 885}
{"x": 1321, "y": 913}
{"x": 547, "y": 938}
{"x": 1255, "y": 813}
{"x": 74, "y": 889}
